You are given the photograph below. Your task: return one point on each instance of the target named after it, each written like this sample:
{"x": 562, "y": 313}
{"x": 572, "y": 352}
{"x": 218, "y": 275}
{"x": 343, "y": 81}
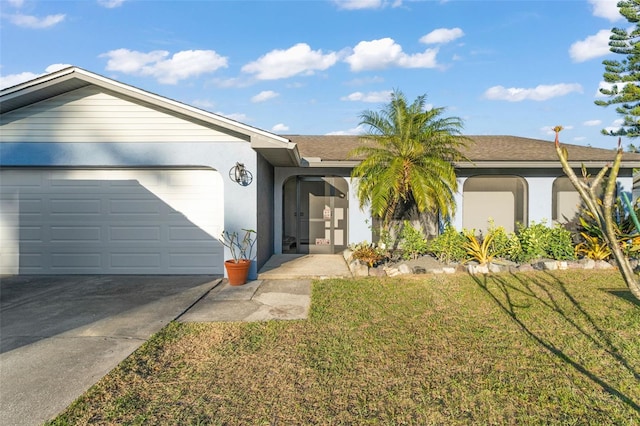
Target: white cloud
{"x": 16, "y": 3}
{"x": 14, "y": 79}
{"x": 237, "y": 116}
{"x": 609, "y": 86}
{"x": 591, "y": 47}
{"x": 365, "y": 4}
{"x": 298, "y": 59}
{"x": 579, "y": 139}
{"x": 30, "y": 21}
{"x": 55, "y": 67}
{"x": 539, "y": 93}
{"x": 385, "y": 52}
{"x": 591, "y": 123}
{"x": 130, "y": 61}
{"x": 607, "y": 9}
{"x": 203, "y": 104}
{"x": 110, "y": 4}
{"x": 265, "y": 95}
{"x": 615, "y": 126}
{"x": 358, "y": 4}
{"x": 442, "y": 35}
{"x": 354, "y": 131}
{"x": 383, "y": 96}
{"x": 158, "y": 64}
{"x": 280, "y": 128}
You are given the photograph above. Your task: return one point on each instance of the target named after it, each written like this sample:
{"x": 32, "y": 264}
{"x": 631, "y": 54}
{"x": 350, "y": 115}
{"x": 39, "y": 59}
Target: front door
{"x": 320, "y": 215}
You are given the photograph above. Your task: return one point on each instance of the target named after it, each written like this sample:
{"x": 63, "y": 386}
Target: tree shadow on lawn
{"x": 623, "y": 294}
{"x": 552, "y": 293}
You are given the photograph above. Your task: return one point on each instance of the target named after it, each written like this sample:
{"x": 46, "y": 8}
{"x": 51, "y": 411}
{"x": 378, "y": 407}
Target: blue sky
{"x": 312, "y": 67}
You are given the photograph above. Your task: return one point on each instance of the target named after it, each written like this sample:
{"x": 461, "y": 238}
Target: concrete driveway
{"x": 60, "y": 334}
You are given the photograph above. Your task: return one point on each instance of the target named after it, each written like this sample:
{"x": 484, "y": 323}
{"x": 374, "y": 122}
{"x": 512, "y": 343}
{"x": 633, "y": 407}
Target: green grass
{"x": 539, "y": 348}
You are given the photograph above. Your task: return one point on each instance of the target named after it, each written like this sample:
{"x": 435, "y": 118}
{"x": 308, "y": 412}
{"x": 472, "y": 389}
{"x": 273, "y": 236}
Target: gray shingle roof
{"x": 481, "y": 148}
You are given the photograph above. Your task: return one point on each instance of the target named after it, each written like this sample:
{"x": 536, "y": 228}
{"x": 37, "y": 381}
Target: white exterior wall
{"x": 456, "y": 220}
{"x": 539, "y": 198}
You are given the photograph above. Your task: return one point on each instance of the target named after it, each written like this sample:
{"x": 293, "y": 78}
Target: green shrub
{"x": 412, "y": 242}
{"x": 532, "y": 241}
{"x": 539, "y": 241}
{"x": 503, "y": 245}
{"x": 560, "y": 243}
{"x": 448, "y": 246}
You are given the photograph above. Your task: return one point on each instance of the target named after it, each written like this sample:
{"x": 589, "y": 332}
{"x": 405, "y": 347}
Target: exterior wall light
{"x": 240, "y": 175}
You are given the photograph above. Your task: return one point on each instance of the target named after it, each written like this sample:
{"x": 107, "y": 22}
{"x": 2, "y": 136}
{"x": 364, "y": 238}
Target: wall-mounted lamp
{"x": 240, "y": 175}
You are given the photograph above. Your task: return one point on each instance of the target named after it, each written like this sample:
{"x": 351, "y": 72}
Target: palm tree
{"x": 408, "y": 160}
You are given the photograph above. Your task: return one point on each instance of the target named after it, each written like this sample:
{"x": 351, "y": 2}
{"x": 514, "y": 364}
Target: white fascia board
{"x": 539, "y": 164}
{"x": 316, "y": 162}
{"x": 35, "y": 84}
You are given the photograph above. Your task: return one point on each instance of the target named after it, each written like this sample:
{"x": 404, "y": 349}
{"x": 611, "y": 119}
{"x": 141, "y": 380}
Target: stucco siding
{"x": 92, "y": 115}
{"x": 539, "y": 192}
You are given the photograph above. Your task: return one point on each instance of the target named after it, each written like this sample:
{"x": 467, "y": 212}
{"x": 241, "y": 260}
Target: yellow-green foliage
{"x": 593, "y": 248}
{"x": 480, "y": 251}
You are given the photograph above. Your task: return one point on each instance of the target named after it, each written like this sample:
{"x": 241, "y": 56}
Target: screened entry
{"x": 315, "y": 215}
{"x": 502, "y": 199}
{"x": 566, "y": 201}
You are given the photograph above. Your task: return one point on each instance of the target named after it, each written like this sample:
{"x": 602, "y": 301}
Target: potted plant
{"x": 241, "y": 248}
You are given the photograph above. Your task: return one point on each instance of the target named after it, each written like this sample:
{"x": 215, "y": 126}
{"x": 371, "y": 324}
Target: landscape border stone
{"x": 430, "y": 265}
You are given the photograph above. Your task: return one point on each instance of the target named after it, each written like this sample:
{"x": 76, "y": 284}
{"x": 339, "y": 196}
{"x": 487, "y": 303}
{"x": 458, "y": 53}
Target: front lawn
{"x": 538, "y": 348}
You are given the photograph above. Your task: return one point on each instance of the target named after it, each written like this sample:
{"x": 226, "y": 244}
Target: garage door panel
{"x": 30, "y": 206}
{"x": 112, "y": 221}
{"x": 136, "y": 207}
{"x": 134, "y": 233}
{"x": 75, "y": 206}
{"x": 86, "y": 261}
{"x": 32, "y": 262}
{"x": 26, "y": 233}
{"x": 137, "y": 260}
{"x": 76, "y": 234}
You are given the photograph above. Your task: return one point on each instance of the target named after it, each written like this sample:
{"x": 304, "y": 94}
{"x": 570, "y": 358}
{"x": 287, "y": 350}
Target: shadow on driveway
{"x": 60, "y": 334}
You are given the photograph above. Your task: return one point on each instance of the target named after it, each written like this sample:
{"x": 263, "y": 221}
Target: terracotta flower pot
{"x": 237, "y": 273}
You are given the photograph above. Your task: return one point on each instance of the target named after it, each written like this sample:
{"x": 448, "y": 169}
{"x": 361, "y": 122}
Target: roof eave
{"x": 539, "y": 164}
{"x": 34, "y": 85}
{"x": 316, "y": 162}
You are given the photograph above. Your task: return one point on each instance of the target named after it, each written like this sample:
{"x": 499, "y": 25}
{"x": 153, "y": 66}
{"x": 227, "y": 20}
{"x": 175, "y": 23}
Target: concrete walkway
{"x": 281, "y": 292}
{"x": 308, "y": 266}
{"x": 259, "y": 300}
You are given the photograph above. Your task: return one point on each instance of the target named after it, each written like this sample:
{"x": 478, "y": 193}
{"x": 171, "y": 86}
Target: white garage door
{"x": 111, "y": 221}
